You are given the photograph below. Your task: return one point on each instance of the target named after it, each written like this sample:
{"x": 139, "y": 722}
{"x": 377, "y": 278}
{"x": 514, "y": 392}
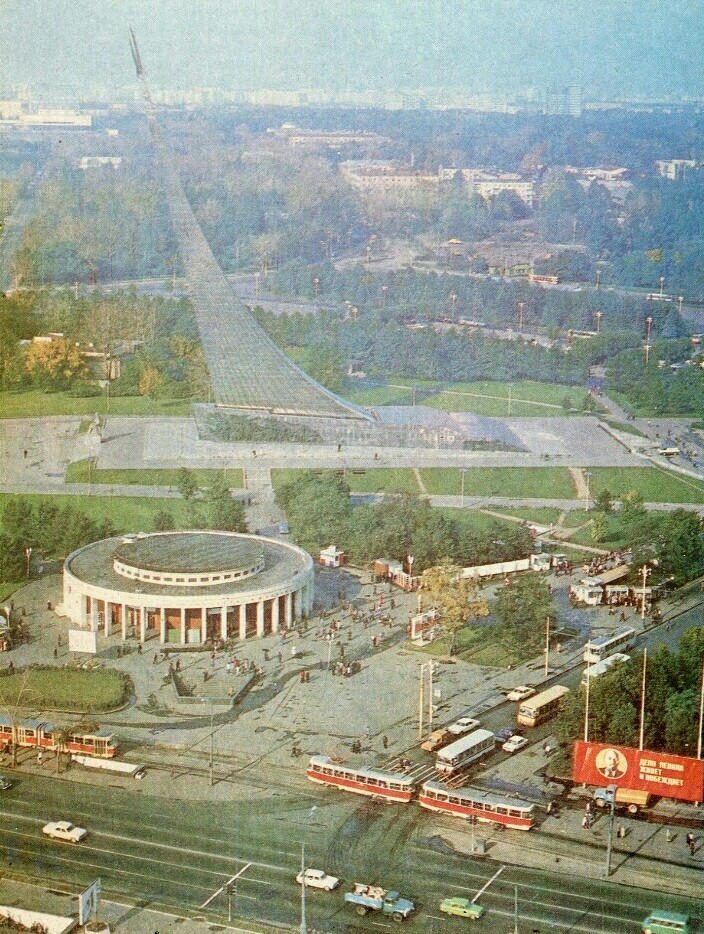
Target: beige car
{"x": 437, "y": 739}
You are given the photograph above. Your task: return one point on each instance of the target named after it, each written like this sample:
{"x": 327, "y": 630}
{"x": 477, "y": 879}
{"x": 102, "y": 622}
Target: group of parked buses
{"x": 451, "y": 761}
{"x": 44, "y": 737}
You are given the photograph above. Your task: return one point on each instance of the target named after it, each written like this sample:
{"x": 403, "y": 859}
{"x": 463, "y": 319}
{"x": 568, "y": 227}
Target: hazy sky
{"x": 611, "y": 47}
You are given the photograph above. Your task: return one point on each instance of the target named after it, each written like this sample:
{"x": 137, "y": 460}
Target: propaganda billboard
{"x": 660, "y": 773}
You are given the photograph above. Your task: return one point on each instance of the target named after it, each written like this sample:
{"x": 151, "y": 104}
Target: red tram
{"x": 42, "y": 736}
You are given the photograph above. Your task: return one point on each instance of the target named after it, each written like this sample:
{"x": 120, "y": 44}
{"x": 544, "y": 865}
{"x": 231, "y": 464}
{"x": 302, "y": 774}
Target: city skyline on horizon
{"x": 502, "y": 48}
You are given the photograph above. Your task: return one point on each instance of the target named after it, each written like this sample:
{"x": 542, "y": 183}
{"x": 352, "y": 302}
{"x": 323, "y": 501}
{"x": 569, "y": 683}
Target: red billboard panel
{"x": 660, "y": 773}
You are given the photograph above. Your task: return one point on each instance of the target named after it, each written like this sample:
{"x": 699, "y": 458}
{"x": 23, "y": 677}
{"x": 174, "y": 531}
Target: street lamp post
{"x": 662, "y": 283}
{"x": 597, "y": 315}
{"x": 680, "y": 299}
{"x": 316, "y": 283}
{"x": 645, "y": 571}
{"x": 520, "y": 317}
{"x": 587, "y": 477}
{"x": 28, "y": 555}
{"x": 453, "y": 302}
{"x": 463, "y": 471}
{"x": 648, "y": 325}
{"x": 304, "y": 926}
{"x": 211, "y": 757}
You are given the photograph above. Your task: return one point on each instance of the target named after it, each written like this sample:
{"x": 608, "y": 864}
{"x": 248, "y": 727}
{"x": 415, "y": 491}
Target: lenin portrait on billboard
{"x": 611, "y": 763}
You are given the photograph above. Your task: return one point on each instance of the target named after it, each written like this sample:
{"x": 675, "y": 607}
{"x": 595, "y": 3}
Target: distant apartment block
{"x": 323, "y": 139}
{"x": 388, "y": 177}
{"x": 488, "y": 184}
{"x": 16, "y": 113}
{"x": 674, "y": 169}
{"x": 99, "y": 162}
{"x": 565, "y": 102}
{"x": 601, "y": 174}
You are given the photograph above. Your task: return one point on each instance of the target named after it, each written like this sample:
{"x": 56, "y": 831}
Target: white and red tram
{"x": 473, "y": 802}
{"x": 42, "y": 736}
{"x": 364, "y": 780}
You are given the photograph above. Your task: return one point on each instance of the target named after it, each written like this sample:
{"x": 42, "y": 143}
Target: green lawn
{"x": 34, "y": 404}
{"x": 653, "y": 484}
{"x": 126, "y": 513}
{"x": 479, "y": 645}
{"x": 84, "y": 471}
{"x": 545, "y": 517}
{"x": 492, "y": 398}
{"x": 380, "y": 395}
{"x": 64, "y": 688}
{"x": 529, "y": 482}
{"x": 374, "y": 480}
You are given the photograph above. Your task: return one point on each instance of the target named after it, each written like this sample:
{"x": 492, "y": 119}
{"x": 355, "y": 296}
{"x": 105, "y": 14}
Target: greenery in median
{"x": 652, "y": 484}
{"x": 36, "y": 404}
{"x": 85, "y": 471}
{"x": 65, "y": 688}
{"x": 512, "y": 482}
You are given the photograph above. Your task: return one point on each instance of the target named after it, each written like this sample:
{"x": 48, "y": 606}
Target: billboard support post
{"x": 610, "y": 839}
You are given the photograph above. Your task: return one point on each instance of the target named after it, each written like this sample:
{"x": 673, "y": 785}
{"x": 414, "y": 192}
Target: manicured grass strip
{"x": 64, "y": 688}
{"x": 374, "y": 480}
{"x": 125, "y": 513}
{"x": 547, "y": 517}
{"x": 529, "y": 482}
{"x": 33, "y": 404}
{"x": 653, "y": 484}
{"x": 82, "y": 472}
{"x": 381, "y": 395}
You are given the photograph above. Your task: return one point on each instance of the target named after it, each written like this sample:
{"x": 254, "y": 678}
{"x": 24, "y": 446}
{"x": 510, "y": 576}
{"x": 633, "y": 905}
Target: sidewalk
{"x": 122, "y": 918}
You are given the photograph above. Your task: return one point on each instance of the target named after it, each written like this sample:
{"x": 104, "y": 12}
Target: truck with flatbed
{"x": 631, "y": 799}
{"x": 368, "y": 898}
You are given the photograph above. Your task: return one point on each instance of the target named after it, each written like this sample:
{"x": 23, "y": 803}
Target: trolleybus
{"x": 593, "y": 671}
{"x": 541, "y": 707}
{"x": 596, "y": 650}
{"x": 465, "y": 751}
{"x": 376, "y": 783}
{"x": 478, "y": 804}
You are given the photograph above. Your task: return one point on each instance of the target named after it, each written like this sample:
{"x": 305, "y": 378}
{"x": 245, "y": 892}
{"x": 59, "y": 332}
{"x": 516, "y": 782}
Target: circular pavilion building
{"x": 185, "y": 588}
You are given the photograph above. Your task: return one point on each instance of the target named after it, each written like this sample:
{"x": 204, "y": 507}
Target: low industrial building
{"x": 187, "y": 588}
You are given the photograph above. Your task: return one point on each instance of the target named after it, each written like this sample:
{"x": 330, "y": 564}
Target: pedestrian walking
{"x": 26, "y": 452}
{"x": 621, "y": 832}
{"x": 668, "y": 835}
{"x": 155, "y": 660}
{"x": 281, "y": 658}
{"x": 385, "y": 742}
{"x": 56, "y": 653}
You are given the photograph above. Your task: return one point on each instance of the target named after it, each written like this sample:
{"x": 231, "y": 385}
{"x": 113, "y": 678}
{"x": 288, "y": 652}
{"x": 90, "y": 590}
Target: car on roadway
{"x": 462, "y": 726}
{"x": 520, "y": 693}
{"x": 318, "y": 879}
{"x": 514, "y": 743}
{"x": 506, "y": 733}
{"x": 462, "y": 908}
{"x": 64, "y": 830}
{"x": 437, "y": 739}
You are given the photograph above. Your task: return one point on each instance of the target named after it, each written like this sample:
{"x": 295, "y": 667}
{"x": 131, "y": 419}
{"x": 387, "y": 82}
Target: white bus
{"x": 465, "y": 751}
{"x": 596, "y": 650}
{"x": 593, "y": 671}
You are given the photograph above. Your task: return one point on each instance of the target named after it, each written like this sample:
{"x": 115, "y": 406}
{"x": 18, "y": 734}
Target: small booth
{"x": 332, "y": 557}
{"x": 588, "y": 591}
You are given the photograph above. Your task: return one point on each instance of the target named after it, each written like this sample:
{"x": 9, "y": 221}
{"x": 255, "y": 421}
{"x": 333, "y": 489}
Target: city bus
{"x": 593, "y": 671}
{"x": 465, "y": 751}
{"x": 478, "y": 804}
{"x": 375, "y": 783}
{"x": 541, "y": 707}
{"x": 596, "y": 650}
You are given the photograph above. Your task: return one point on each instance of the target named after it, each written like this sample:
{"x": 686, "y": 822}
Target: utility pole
{"x": 610, "y": 839}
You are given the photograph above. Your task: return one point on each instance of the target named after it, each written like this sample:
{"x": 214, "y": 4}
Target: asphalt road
{"x": 164, "y": 854}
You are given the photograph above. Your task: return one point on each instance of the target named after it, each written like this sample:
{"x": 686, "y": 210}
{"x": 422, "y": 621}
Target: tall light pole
{"x": 463, "y": 471}
{"x": 211, "y": 757}
{"x": 680, "y": 299}
{"x": 316, "y": 283}
{"x": 587, "y": 477}
{"x": 304, "y": 926}
{"x": 597, "y": 315}
{"x": 645, "y": 571}
{"x": 611, "y": 789}
{"x": 598, "y": 277}
{"x": 383, "y": 295}
{"x": 453, "y": 302}
{"x": 520, "y": 317}
{"x": 648, "y": 325}
{"x": 662, "y": 283}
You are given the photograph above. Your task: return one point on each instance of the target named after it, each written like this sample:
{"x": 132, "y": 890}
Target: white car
{"x": 515, "y": 743}
{"x": 64, "y": 830}
{"x": 520, "y": 693}
{"x": 462, "y": 726}
{"x": 317, "y": 879}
